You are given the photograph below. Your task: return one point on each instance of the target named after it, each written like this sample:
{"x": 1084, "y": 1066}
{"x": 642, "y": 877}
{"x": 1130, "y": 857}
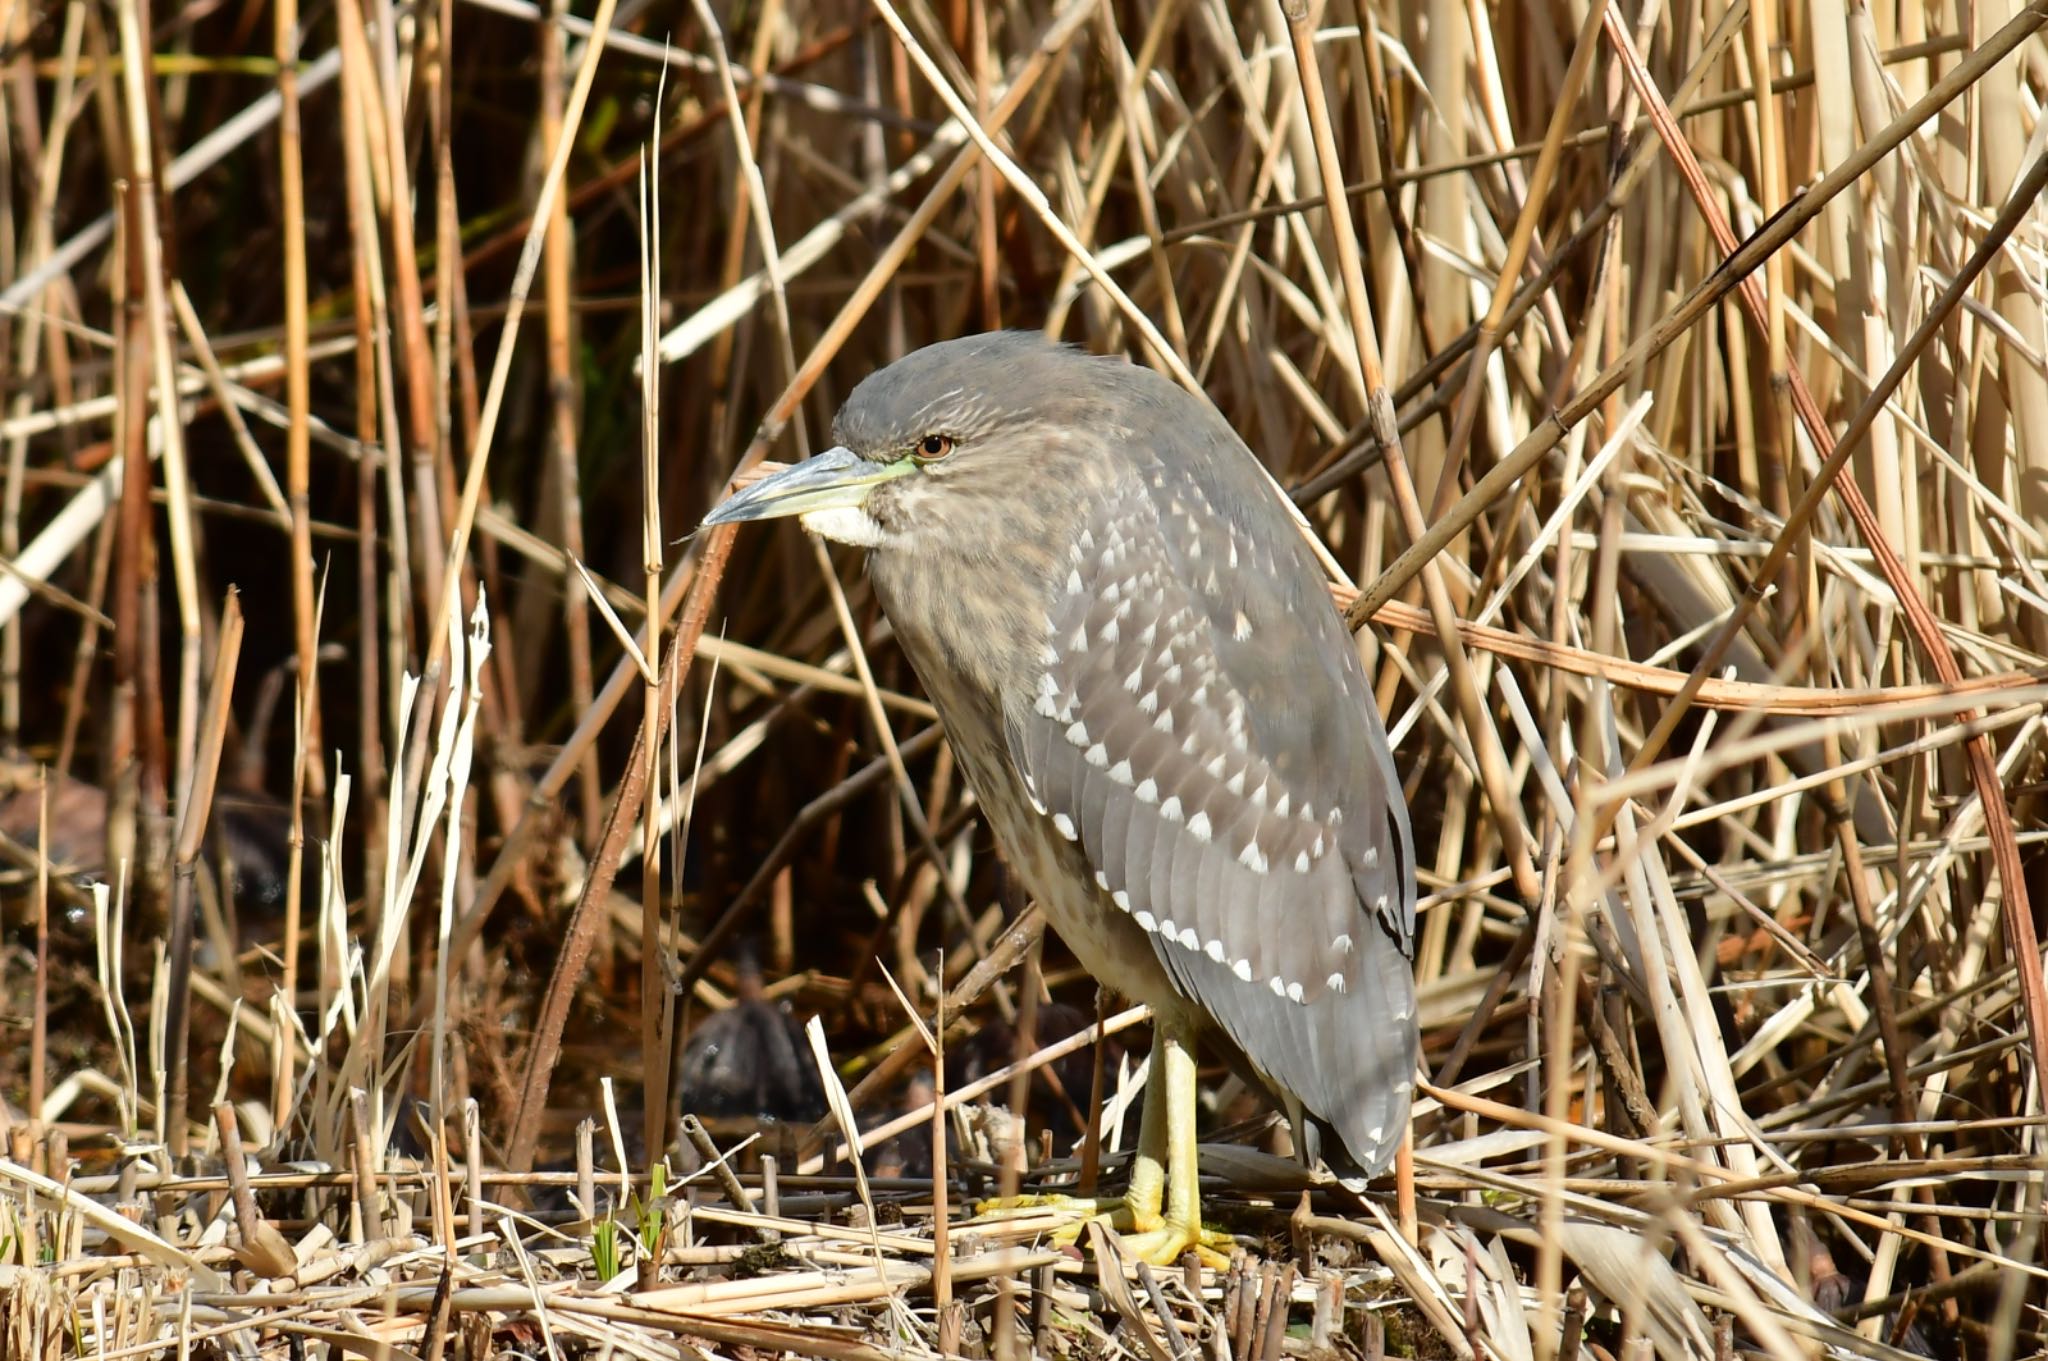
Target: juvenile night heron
{"x": 1143, "y": 675}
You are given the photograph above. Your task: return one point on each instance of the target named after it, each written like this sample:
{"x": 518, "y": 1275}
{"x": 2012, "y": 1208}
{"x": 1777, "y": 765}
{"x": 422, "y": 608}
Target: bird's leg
{"x": 1160, "y": 1215}
{"x": 1166, "y": 1166}
{"x": 1142, "y": 1202}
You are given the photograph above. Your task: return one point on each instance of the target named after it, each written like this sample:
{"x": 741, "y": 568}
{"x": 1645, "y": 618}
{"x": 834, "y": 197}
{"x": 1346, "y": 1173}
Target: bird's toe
{"x": 1140, "y": 1231}
{"x": 1170, "y": 1242}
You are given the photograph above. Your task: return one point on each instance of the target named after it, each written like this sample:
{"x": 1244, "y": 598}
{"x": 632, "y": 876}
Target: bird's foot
{"x": 1167, "y": 1244}
{"x": 1143, "y": 1232}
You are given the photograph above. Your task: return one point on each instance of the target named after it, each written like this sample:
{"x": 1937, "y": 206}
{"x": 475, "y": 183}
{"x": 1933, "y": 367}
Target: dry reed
{"x": 1673, "y": 382}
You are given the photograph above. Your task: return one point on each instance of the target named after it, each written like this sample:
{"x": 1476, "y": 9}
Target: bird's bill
{"x": 837, "y": 479}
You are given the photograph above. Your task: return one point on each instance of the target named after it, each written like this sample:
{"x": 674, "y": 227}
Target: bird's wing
{"x": 1195, "y": 731}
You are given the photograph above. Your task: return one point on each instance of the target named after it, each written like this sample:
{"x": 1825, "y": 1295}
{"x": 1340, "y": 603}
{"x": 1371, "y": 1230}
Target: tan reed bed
{"x": 1671, "y": 399}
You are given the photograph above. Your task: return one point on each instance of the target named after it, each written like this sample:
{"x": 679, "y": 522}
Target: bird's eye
{"x": 934, "y": 446}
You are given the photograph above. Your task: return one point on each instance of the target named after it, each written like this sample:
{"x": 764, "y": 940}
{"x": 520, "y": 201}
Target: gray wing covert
{"x": 1194, "y": 731}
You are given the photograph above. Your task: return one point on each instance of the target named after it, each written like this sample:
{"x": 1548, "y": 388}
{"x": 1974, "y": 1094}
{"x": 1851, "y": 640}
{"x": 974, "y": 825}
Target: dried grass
{"x": 1687, "y": 431}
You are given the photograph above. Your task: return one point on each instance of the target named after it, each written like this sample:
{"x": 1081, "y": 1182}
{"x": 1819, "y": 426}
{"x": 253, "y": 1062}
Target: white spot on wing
{"x": 1121, "y": 772}
{"x": 1294, "y": 992}
{"x": 1301, "y": 862}
{"x": 1243, "y": 970}
{"x": 1215, "y": 951}
{"x": 1252, "y": 858}
{"x": 1078, "y": 733}
{"x": 1121, "y": 899}
{"x": 1189, "y": 939}
{"x": 1148, "y": 792}
{"x": 1243, "y": 630}
{"x": 1073, "y": 581}
{"x": 1198, "y": 827}
{"x": 1279, "y": 988}
{"x": 1170, "y": 810}
{"x": 1098, "y": 756}
{"x": 1342, "y": 945}
{"x": 1148, "y": 921}
{"x": 1065, "y": 826}
{"x": 1335, "y": 982}
{"x": 1369, "y": 858}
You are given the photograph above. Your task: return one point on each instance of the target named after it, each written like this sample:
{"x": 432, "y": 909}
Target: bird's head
{"x": 926, "y": 450}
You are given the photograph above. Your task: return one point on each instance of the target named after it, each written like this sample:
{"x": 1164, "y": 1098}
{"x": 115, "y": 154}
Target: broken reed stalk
{"x": 657, "y": 1001}
{"x": 194, "y": 807}
{"x": 39, "y": 1017}
{"x": 308, "y": 777}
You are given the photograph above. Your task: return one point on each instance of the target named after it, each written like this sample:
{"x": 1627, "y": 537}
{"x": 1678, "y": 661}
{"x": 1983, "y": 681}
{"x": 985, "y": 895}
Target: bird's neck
{"x": 968, "y": 618}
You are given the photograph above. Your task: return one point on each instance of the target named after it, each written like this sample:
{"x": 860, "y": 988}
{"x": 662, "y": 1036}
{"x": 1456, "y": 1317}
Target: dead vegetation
{"x": 1685, "y": 432}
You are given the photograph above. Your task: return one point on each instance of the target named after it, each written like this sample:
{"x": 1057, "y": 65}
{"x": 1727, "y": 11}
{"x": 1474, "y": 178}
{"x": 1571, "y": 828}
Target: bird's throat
{"x": 847, "y": 524}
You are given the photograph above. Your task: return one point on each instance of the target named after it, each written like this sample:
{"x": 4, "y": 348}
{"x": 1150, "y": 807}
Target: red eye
{"x": 935, "y": 446}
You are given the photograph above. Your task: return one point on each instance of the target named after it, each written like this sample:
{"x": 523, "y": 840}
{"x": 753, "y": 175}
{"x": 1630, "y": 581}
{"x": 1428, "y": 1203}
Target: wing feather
{"x": 1207, "y": 738}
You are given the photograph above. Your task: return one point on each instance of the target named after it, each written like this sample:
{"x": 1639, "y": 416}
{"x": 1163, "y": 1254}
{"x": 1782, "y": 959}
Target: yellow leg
{"x": 1147, "y": 1193}
{"x": 1170, "y": 1102}
{"x": 1160, "y": 1215}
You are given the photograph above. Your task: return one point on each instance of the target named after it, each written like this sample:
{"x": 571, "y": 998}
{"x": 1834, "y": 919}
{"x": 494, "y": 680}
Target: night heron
{"x": 1144, "y": 677}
